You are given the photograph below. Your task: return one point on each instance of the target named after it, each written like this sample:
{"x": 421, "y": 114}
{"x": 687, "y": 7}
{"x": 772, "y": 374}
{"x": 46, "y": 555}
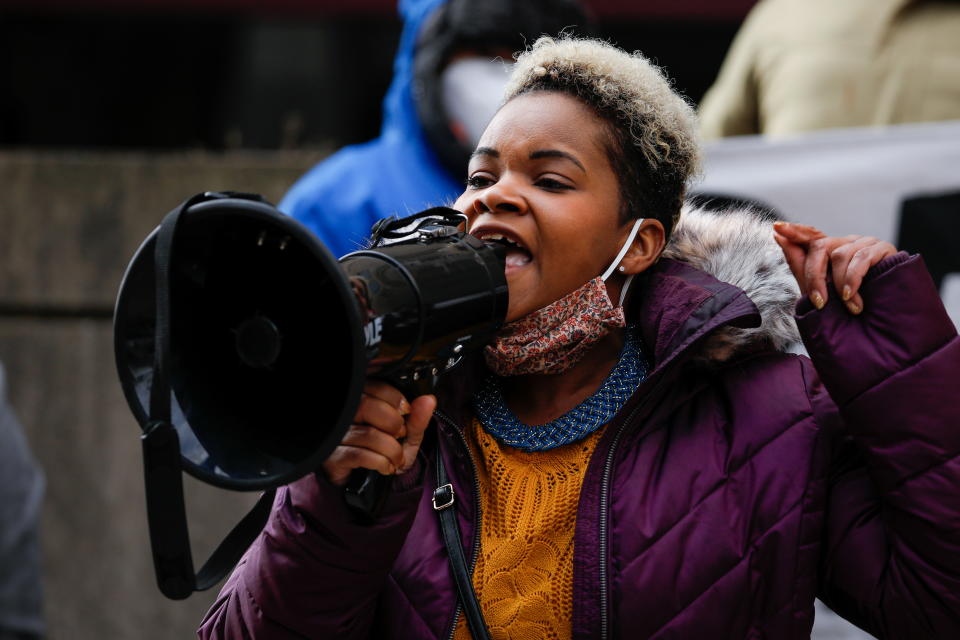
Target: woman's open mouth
{"x": 517, "y": 255}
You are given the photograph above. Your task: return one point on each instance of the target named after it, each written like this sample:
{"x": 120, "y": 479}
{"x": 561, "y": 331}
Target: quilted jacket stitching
{"x": 904, "y": 370}
{"x": 683, "y": 609}
{"x": 720, "y": 484}
{"x": 914, "y": 476}
{"x": 413, "y": 607}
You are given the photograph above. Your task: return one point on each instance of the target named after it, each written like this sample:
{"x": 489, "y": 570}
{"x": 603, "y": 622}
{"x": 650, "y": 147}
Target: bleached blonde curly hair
{"x": 653, "y": 146}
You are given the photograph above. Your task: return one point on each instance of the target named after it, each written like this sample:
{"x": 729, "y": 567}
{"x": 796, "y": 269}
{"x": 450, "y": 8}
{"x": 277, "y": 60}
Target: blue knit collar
{"x": 576, "y": 424}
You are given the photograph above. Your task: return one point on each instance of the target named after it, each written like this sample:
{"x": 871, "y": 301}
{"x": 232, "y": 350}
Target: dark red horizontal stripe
{"x": 660, "y": 9}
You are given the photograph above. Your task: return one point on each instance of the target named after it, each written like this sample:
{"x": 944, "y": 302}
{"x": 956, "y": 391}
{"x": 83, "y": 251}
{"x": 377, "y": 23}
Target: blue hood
{"x": 399, "y": 108}
{"x": 396, "y": 173}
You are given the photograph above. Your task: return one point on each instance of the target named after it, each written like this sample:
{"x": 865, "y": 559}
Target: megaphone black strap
{"x": 166, "y": 516}
{"x": 166, "y": 513}
{"x": 443, "y": 503}
{"x": 160, "y": 386}
{"x": 228, "y": 553}
{"x": 162, "y": 252}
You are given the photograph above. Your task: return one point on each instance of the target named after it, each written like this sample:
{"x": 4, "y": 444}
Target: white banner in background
{"x": 843, "y": 181}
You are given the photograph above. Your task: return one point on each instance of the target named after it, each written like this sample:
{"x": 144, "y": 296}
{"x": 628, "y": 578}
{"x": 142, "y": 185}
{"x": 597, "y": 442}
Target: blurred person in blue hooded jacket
{"x": 449, "y": 73}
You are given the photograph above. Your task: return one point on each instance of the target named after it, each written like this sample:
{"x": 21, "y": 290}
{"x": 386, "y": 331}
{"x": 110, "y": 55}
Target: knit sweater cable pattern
{"x": 524, "y": 572}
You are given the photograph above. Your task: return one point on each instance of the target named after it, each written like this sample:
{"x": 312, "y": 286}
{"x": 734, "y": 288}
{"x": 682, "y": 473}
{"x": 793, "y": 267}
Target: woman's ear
{"x": 646, "y": 247}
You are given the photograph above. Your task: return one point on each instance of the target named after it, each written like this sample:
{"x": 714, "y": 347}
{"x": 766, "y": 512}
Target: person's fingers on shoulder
{"x": 380, "y": 414}
{"x": 367, "y": 437}
{"x": 865, "y": 256}
{"x": 388, "y": 393}
{"x": 842, "y": 257}
{"x": 845, "y": 254}
{"x": 798, "y": 233}
{"x": 815, "y": 271}
{"x": 795, "y": 255}
{"x": 345, "y": 459}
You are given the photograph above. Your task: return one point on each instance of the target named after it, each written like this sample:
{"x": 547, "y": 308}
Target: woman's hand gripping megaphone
{"x": 385, "y": 434}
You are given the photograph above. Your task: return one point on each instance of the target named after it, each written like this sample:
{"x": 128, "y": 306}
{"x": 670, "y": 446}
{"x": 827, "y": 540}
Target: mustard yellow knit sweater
{"x": 524, "y": 572}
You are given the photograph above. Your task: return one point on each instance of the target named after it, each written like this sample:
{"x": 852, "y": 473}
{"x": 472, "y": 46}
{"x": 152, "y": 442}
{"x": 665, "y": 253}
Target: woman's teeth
{"x": 517, "y": 255}
{"x": 517, "y": 258}
{"x": 496, "y": 237}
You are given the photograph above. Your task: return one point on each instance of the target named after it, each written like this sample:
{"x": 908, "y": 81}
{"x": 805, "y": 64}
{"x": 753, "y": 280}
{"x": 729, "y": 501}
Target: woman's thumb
{"x": 421, "y": 410}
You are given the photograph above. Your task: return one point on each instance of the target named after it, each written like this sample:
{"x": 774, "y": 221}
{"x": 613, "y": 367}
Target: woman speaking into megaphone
{"x": 639, "y": 452}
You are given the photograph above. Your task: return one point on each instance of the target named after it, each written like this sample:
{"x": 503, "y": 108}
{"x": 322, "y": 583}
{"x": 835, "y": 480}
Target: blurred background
{"x": 113, "y": 111}
{"x": 222, "y": 75}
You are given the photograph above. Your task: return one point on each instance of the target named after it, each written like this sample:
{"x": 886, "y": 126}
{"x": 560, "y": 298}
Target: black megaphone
{"x": 242, "y": 348}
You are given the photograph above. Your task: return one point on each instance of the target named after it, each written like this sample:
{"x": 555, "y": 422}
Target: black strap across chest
{"x": 443, "y": 503}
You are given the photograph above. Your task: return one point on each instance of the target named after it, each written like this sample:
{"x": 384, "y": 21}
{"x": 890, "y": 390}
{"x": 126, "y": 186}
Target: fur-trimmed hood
{"x": 737, "y": 246}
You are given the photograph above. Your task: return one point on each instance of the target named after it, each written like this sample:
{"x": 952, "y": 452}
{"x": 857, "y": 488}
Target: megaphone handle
{"x": 365, "y": 493}
{"x": 366, "y": 490}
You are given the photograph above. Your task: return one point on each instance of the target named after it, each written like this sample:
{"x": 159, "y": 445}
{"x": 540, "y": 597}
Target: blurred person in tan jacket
{"x": 802, "y": 65}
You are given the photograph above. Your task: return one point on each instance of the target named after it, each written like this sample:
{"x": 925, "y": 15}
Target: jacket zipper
{"x": 477, "y": 506}
{"x": 605, "y": 507}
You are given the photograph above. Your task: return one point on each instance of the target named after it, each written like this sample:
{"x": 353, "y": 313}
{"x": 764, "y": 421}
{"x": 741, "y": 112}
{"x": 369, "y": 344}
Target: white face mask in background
{"x": 472, "y": 88}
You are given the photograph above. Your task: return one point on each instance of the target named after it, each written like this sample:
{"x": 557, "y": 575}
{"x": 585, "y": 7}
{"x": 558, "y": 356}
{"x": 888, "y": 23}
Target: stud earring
{"x": 622, "y": 268}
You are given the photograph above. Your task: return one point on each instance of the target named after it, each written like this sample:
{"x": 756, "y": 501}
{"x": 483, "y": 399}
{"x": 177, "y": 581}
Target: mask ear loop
{"x": 616, "y": 261}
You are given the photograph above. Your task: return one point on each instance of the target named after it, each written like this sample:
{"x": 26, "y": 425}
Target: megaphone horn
{"x": 242, "y": 347}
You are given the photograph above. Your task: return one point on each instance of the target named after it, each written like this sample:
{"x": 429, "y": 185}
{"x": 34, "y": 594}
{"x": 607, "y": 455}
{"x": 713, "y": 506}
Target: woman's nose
{"x": 501, "y": 198}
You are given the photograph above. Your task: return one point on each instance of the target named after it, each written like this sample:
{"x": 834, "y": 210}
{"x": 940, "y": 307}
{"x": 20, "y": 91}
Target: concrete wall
{"x": 69, "y": 223}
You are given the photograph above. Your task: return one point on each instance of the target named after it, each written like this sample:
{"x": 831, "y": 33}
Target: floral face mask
{"x": 557, "y": 336}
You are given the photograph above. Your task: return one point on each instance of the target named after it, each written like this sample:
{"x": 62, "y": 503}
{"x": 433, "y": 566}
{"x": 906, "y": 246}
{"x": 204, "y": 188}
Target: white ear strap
{"x": 623, "y": 250}
{"x": 623, "y": 291}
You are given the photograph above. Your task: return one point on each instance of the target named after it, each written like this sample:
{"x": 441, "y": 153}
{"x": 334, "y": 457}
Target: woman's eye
{"x": 552, "y": 184}
{"x": 478, "y": 181}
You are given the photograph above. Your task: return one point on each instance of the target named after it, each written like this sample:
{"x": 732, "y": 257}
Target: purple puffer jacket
{"x": 736, "y": 485}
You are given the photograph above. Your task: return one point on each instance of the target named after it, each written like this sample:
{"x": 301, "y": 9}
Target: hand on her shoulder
{"x": 809, "y": 251}
{"x": 385, "y": 435}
